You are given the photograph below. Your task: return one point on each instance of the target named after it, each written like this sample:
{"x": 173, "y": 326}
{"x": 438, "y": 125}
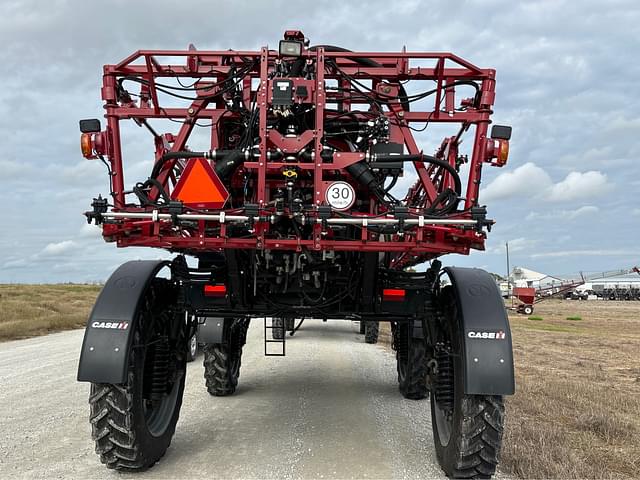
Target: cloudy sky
{"x": 567, "y": 73}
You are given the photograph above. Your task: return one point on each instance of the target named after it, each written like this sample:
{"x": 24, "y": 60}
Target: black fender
{"x": 486, "y": 336}
{"x": 107, "y": 338}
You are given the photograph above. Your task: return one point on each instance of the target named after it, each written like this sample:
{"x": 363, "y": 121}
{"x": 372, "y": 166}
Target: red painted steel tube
{"x": 265, "y": 167}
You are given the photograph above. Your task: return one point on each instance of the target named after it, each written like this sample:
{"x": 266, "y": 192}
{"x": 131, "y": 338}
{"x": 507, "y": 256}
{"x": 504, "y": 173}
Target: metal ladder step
{"x": 268, "y": 338}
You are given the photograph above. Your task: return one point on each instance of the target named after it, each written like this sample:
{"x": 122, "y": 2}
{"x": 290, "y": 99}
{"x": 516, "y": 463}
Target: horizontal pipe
{"x": 216, "y": 217}
{"x": 394, "y": 221}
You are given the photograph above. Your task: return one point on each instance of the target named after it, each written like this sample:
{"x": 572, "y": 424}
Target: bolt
{"x": 191, "y": 110}
{"x": 502, "y": 360}
{"x": 91, "y": 349}
{"x": 475, "y": 360}
{"x": 401, "y": 114}
{"x": 116, "y": 349}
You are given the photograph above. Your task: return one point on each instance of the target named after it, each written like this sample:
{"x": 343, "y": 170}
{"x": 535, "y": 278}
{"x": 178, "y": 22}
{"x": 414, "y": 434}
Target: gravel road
{"x": 329, "y": 409}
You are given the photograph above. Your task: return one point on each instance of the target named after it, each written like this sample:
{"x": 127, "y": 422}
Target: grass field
{"x": 29, "y": 310}
{"x": 576, "y": 411}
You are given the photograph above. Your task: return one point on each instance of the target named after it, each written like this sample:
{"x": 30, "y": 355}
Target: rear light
{"x": 503, "y": 152}
{"x": 497, "y": 151}
{"x": 393, "y": 295}
{"x": 86, "y": 145}
{"x": 215, "y": 290}
{"x": 94, "y": 144}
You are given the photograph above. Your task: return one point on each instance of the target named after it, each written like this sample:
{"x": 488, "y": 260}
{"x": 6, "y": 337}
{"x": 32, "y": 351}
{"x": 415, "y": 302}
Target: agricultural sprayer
{"x": 291, "y": 210}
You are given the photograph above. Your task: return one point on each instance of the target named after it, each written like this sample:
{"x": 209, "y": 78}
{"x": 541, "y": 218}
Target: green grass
{"x": 536, "y": 318}
{"x": 551, "y": 328}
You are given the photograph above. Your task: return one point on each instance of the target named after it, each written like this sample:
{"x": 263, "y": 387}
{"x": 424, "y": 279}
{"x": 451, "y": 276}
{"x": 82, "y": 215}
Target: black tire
{"x": 411, "y": 364}
{"x": 362, "y": 327}
{"x": 371, "y": 330}
{"x": 467, "y": 429}
{"x": 192, "y": 348}
{"x": 289, "y": 324}
{"x": 131, "y": 430}
{"x": 528, "y": 309}
{"x": 277, "y": 332}
{"x": 475, "y": 438}
{"x": 221, "y": 368}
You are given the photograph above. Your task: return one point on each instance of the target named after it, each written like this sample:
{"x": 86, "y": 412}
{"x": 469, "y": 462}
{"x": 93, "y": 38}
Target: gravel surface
{"x": 329, "y": 409}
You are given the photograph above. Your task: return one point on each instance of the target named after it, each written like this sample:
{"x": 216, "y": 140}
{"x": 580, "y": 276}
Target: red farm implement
{"x": 292, "y": 210}
{"x": 527, "y": 297}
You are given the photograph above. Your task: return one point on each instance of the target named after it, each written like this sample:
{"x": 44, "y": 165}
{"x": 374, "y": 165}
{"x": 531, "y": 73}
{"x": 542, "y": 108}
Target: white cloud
{"x": 14, "y": 170}
{"x": 588, "y": 253}
{"x": 579, "y": 185}
{"x": 89, "y": 230}
{"x": 20, "y": 262}
{"x": 529, "y": 180}
{"x": 55, "y": 249}
{"x": 526, "y": 180}
{"x": 564, "y": 214}
{"x": 515, "y": 245}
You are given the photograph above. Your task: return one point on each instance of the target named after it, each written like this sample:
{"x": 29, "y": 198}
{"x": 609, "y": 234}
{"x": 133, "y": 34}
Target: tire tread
{"x": 219, "y": 379}
{"x": 111, "y": 421}
{"x": 414, "y": 386}
{"x": 481, "y": 438}
{"x": 371, "y": 331}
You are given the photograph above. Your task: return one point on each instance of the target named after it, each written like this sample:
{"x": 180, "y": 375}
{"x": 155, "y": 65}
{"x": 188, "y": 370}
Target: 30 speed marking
{"x": 340, "y": 195}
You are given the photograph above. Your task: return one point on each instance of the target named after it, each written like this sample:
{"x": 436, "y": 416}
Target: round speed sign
{"x": 340, "y": 195}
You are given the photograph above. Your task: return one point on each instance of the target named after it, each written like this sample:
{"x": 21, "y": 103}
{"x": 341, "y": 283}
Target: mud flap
{"x": 487, "y": 349}
{"x": 212, "y": 330}
{"x": 108, "y": 335}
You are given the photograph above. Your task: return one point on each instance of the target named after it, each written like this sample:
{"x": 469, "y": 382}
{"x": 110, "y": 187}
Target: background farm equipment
{"x": 528, "y": 296}
{"x": 291, "y": 211}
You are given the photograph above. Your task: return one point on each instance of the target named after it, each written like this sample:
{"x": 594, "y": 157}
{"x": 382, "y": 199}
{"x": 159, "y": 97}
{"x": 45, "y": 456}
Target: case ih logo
{"x": 487, "y": 335}
{"x": 114, "y": 325}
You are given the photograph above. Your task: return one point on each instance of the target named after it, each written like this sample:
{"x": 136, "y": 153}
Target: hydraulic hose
{"x": 296, "y": 69}
{"x": 423, "y": 158}
{"x": 175, "y": 156}
{"x": 226, "y": 160}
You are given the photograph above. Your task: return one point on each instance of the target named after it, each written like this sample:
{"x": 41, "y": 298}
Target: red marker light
{"x": 215, "y": 290}
{"x": 393, "y": 295}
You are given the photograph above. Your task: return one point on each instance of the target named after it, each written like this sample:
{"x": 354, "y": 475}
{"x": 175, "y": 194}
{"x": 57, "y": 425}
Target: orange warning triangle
{"x": 200, "y": 187}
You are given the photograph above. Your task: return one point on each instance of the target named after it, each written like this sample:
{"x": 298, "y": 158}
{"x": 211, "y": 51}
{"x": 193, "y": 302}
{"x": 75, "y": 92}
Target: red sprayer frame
{"x": 423, "y": 237}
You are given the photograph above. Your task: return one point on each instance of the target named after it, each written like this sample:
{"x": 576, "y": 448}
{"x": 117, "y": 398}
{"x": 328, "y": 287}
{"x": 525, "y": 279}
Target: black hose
{"x": 227, "y": 164}
{"x": 226, "y": 160}
{"x": 174, "y": 156}
{"x": 424, "y": 158}
{"x": 296, "y": 69}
